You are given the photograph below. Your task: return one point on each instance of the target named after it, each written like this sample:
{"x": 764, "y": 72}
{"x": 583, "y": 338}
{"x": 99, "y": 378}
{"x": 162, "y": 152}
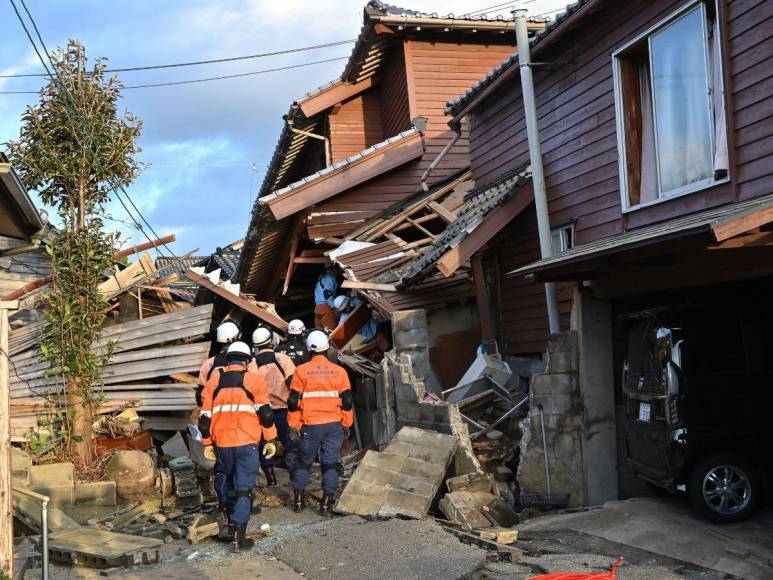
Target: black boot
{"x": 299, "y": 501}
{"x": 325, "y": 505}
{"x": 254, "y": 501}
{"x": 240, "y": 540}
{"x": 225, "y": 530}
{"x": 270, "y": 476}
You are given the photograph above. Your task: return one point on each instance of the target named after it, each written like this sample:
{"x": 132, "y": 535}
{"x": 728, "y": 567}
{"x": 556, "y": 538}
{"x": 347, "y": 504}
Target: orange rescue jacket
{"x": 319, "y": 384}
{"x": 233, "y": 410}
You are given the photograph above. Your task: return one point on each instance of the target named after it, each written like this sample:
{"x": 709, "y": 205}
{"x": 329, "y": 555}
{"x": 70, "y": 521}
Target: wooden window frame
{"x": 625, "y": 117}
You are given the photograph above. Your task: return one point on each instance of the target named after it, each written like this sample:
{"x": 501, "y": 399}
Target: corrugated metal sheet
{"x": 689, "y": 225}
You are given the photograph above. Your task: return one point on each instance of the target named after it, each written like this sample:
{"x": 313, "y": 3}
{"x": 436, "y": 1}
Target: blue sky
{"x": 206, "y": 145}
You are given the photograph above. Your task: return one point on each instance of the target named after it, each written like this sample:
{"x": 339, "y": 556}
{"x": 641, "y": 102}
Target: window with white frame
{"x": 670, "y": 108}
{"x": 562, "y": 238}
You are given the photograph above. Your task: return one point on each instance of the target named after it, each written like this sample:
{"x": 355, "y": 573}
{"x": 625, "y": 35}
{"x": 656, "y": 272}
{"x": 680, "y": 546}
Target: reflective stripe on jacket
{"x": 234, "y": 416}
{"x": 320, "y": 383}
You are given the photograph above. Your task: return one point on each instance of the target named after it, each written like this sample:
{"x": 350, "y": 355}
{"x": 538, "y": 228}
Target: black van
{"x": 698, "y": 394}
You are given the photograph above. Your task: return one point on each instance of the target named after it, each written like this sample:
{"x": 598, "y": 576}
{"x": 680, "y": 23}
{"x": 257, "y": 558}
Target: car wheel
{"x": 725, "y": 488}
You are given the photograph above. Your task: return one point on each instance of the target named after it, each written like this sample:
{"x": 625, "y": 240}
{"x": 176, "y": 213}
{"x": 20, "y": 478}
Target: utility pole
{"x": 6, "y": 484}
{"x": 535, "y": 154}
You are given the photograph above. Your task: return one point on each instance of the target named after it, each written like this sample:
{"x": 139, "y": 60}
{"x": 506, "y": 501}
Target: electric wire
{"x": 201, "y": 62}
{"x": 206, "y": 79}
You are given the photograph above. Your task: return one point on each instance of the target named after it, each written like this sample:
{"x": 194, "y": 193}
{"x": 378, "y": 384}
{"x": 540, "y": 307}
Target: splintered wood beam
{"x": 296, "y": 239}
{"x": 454, "y": 258}
{"x": 731, "y": 227}
{"x": 359, "y": 171}
{"x": 754, "y": 240}
{"x": 333, "y": 95}
{"x": 421, "y": 228}
{"x": 355, "y": 285}
{"x": 484, "y": 311}
{"x": 445, "y": 214}
{"x": 239, "y": 301}
{"x": 310, "y": 260}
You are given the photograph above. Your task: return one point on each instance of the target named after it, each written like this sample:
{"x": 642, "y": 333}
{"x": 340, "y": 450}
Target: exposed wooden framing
{"x": 355, "y": 285}
{"x": 6, "y": 483}
{"x": 494, "y": 222}
{"x": 445, "y": 214}
{"x": 419, "y": 227}
{"x": 310, "y": 260}
{"x": 631, "y": 106}
{"x": 745, "y": 241}
{"x": 729, "y": 228}
{"x": 291, "y": 264}
{"x": 484, "y": 310}
{"x": 358, "y": 171}
{"x": 382, "y": 29}
{"x": 239, "y": 301}
{"x": 332, "y": 95}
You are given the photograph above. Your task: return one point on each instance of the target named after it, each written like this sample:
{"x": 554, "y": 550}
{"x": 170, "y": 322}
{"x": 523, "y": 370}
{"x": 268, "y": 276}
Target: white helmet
{"x": 228, "y": 332}
{"x": 296, "y": 327}
{"x": 341, "y": 302}
{"x": 239, "y": 351}
{"x": 262, "y": 336}
{"x": 317, "y": 341}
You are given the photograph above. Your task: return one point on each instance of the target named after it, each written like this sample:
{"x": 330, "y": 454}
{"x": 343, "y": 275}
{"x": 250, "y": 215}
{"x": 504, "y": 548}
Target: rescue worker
{"x": 235, "y": 414}
{"x": 324, "y": 295}
{"x": 227, "y": 333}
{"x": 320, "y": 415}
{"x": 295, "y": 345}
{"x": 367, "y": 331}
{"x": 340, "y": 305}
{"x": 277, "y": 370}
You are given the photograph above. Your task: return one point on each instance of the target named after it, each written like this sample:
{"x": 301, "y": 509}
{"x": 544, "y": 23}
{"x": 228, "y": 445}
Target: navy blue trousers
{"x": 283, "y": 432}
{"x": 325, "y": 439}
{"x": 235, "y": 473}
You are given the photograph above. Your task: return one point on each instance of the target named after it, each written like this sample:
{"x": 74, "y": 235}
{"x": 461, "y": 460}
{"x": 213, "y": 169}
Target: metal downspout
{"x": 535, "y": 154}
{"x": 427, "y": 172}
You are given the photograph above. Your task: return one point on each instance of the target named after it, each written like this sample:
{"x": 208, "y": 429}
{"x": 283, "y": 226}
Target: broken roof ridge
{"x": 455, "y": 106}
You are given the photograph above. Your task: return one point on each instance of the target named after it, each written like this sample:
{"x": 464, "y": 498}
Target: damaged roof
{"x": 552, "y": 29}
{"x": 478, "y": 204}
{"x": 168, "y": 265}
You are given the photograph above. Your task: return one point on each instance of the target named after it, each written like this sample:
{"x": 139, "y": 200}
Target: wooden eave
{"x": 332, "y": 95}
{"x": 351, "y": 172}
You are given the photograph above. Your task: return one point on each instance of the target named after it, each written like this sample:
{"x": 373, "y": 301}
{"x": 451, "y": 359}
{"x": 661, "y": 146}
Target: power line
{"x": 201, "y": 62}
{"x": 207, "y": 79}
{"x": 62, "y": 85}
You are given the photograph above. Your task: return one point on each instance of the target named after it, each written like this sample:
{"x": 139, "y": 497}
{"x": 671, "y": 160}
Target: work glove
{"x": 209, "y": 453}
{"x": 269, "y": 450}
{"x": 347, "y": 432}
{"x": 295, "y": 435}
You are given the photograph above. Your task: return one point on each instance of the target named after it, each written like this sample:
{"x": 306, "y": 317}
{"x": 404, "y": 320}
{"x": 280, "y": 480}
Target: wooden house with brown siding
{"x": 359, "y": 146}
{"x": 657, "y": 145}
{"x": 609, "y": 154}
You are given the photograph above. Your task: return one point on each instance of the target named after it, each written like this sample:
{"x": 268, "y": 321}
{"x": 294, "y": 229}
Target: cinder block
{"x": 465, "y": 508}
{"x": 562, "y": 362}
{"x": 96, "y": 493}
{"x": 60, "y": 495}
{"x": 52, "y": 474}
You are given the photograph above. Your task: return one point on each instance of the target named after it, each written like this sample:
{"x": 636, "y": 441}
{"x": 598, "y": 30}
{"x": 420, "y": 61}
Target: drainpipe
{"x": 535, "y": 154}
{"x": 315, "y": 136}
{"x": 427, "y": 172}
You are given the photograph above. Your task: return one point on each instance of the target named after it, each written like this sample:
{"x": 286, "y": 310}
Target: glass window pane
{"x": 680, "y": 90}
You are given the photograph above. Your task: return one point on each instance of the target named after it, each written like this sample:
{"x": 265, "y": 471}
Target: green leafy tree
{"x": 75, "y": 148}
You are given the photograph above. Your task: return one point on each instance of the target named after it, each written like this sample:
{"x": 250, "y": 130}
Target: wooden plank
{"x": 345, "y": 331}
{"x": 494, "y": 222}
{"x": 184, "y": 378}
{"x": 332, "y": 95}
{"x": 484, "y": 310}
{"x": 355, "y": 285}
{"x": 359, "y": 171}
{"x": 239, "y": 301}
{"x": 6, "y": 490}
{"x": 445, "y": 214}
{"x": 728, "y": 228}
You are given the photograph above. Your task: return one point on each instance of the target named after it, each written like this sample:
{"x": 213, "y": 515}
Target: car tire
{"x": 725, "y": 488}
